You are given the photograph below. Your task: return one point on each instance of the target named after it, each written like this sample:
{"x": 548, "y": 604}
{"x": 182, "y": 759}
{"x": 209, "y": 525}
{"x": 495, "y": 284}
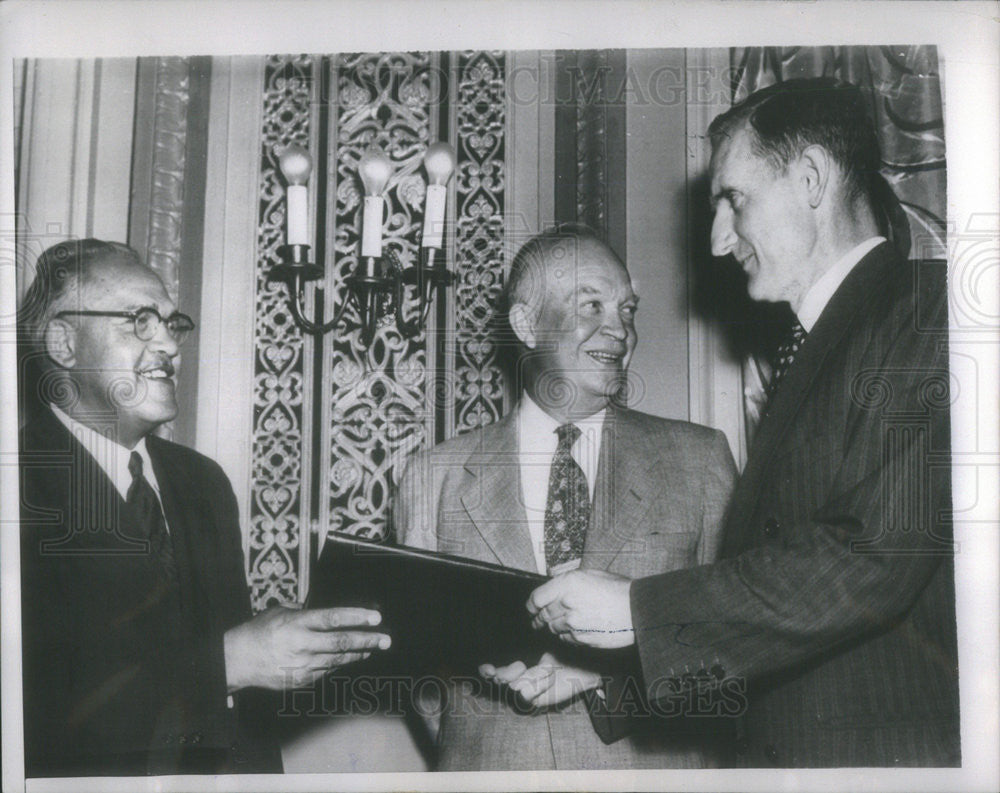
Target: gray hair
{"x": 59, "y": 274}
{"x": 526, "y": 280}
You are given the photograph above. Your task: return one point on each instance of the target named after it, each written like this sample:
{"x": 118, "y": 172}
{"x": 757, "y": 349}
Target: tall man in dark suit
{"x": 834, "y": 600}
{"x": 567, "y": 479}
{"x": 140, "y": 651}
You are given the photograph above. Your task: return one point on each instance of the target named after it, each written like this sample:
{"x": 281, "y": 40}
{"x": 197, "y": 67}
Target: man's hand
{"x": 589, "y": 607}
{"x": 548, "y": 684}
{"x": 284, "y": 648}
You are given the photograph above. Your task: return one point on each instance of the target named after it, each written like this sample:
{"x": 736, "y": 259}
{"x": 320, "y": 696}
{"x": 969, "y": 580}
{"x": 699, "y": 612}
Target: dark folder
{"x": 444, "y": 613}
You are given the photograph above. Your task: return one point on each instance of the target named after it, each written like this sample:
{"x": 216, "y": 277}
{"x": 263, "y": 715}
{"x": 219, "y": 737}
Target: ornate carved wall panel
{"x": 371, "y": 408}
{"x": 277, "y": 533}
{"x": 480, "y": 184}
{"x": 375, "y": 400}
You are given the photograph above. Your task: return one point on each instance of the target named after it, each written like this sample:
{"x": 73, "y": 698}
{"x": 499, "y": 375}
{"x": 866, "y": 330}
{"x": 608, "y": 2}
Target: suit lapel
{"x": 92, "y": 502}
{"x": 624, "y": 489}
{"x": 97, "y": 550}
{"x": 188, "y": 520}
{"x": 833, "y": 324}
{"x": 492, "y": 498}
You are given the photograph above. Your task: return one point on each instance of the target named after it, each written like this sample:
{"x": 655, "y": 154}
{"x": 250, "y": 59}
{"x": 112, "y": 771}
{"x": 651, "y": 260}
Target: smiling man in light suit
{"x": 567, "y": 479}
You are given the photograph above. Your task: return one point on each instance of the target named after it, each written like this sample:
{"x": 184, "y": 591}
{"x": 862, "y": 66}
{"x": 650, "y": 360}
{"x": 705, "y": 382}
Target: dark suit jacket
{"x": 122, "y": 673}
{"x": 835, "y": 602}
{"x": 659, "y": 500}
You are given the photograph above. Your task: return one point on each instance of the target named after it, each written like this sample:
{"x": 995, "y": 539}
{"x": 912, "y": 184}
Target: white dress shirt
{"x": 536, "y": 444}
{"x": 112, "y": 457}
{"x": 819, "y": 293}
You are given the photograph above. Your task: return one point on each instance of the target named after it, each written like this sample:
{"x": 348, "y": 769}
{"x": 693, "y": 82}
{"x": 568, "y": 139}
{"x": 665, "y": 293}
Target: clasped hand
{"x": 285, "y": 648}
{"x": 587, "y": 607}
{"x": 548, "y": 684}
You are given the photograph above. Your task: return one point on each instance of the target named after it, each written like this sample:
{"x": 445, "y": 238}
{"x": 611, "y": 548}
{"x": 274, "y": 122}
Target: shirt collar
{"x": 536, "y": 427}
{"x": 819, "y": 293}
{"x": 111, "y": 456}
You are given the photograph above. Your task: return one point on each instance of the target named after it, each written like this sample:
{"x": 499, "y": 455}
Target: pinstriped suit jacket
{"x": 835, "y": 600}
{"x": 661, "y": 491}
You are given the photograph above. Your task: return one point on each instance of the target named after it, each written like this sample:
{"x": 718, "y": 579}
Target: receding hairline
{"x": 539, "y": 263}
{"x": 88, "y": 273}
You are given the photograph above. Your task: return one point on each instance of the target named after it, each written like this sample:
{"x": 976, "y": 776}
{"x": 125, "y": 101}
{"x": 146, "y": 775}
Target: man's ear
{"x": 60, "y": 343}
{"x": 522, "y": 322}
{"x": 816, "y": 165}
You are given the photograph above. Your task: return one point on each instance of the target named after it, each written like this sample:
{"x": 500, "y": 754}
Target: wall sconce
{"x": 382, "y": 276}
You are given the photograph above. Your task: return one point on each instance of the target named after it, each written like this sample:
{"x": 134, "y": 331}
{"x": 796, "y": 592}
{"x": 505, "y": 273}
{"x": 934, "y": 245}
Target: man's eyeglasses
{"x": 145, "y": 322}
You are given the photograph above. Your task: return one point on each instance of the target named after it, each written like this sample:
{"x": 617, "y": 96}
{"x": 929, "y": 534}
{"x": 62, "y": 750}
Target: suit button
{"x": 771, "y": 753}
{"x": 771, "y": 527}
{"x": 182, "y": 739}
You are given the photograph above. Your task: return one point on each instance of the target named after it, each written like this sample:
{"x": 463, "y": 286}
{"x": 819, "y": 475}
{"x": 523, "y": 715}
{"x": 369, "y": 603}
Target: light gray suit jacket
{"x": 659, "y": 501}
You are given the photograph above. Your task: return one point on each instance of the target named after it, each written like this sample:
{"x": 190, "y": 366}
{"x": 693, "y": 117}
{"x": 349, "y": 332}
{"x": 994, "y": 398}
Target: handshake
{"x": 285, "y": 648}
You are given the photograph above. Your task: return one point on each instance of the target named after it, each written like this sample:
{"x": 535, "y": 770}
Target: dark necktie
{"x": 786, "y": 354}
{"x": 144, "y": 510}
{"x": 567, "y": 510}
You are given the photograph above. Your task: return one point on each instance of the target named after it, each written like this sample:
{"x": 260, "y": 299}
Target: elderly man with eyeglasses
{"x": 140, "y": 651}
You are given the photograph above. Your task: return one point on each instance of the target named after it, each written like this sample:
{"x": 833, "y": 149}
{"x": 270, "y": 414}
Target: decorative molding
{"x": 166, "y": 198}
{"x": 478, "y": 382}
{"x": 279, "y": 457}
{"x": 591, "y": 140}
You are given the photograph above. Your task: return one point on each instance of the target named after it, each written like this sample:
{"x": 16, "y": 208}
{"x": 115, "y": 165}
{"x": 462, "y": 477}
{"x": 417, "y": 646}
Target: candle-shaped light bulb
{"x": 439, "y": 162}
{"x": 296, "y": 165}
{"x": 375, "y": 169}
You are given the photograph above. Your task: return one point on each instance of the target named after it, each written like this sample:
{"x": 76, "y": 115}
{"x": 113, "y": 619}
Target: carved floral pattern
{"x": 377, "y": 400}
{"x": 479, "y": 237}
{"x": 276, "y": 531}
{"x": 378, "y": 404}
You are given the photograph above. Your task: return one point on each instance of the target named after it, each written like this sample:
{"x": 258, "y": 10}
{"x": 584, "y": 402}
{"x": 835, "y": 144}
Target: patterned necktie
{"x": 567, "y": 511}
{"x": 147, "y": 516}
{"x": 786, "y": 354}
